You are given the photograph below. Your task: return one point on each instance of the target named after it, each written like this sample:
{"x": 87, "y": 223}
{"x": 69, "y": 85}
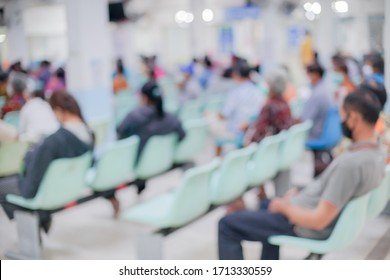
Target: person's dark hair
{"x": 377, "y": 89}
{"x": 39, "y": 93}
{"x": 343, "y": 68}
{"x": 227, "y": 73}
{"x": 45, "y": 63}
{"x": 207, "y": 62}
{"x": 316, "y": 68}
{"x": 60, "y": 73}
{"x": 365, "y": 103}
{"x": 243, "y": 70}
{"x": 154, "y": 95}
{"x": 378, "y": 63}
{"x": 66, "y": 102}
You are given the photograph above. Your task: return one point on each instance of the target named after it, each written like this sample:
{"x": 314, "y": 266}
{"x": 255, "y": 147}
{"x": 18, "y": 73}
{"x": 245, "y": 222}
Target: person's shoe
{"x": 45, "y": 223}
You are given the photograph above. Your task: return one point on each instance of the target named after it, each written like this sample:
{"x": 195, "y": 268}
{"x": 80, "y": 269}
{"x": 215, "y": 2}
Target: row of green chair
{"x": 217, "y": 183}
{"x": 11, "y": 157}
{"x": 349, "y": 224}
{"x": 115, "y": 166}
{"x": 12, "y": 118}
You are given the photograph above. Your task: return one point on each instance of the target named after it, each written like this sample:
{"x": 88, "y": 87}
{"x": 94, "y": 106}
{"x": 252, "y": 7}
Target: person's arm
{"x": 229, "y": 106}
{"x": 310, "y": 110}
{"x": 339, "y": 189}
{"x": 36, "y": 164}
{"x": 180, "y": 131}
{"x": 262, "y": 124}
{"x": 129, "y": 125}
{"x": 315, "y": 219}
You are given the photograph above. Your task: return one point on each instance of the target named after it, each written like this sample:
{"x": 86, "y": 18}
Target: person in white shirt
{"x": 37, "y": 119}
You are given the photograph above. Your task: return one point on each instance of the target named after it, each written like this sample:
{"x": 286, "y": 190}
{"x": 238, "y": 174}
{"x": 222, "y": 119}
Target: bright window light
{"x": 2, "y": 38}
{"x": 310, "y": 16}
{"x": 341, "y": 7}
{"x": 307, "y": 6}
{"x": 189, "y": 18}
{"x": 180, "y": 16}
{"x": 316, "y": 8}
{"x": 208, "y": 15}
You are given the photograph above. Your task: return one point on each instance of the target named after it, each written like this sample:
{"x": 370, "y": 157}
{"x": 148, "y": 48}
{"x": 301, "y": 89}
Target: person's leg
{"x": 251, "y": 226}
{"x": 218, "y": 130}
{"x": 8, "y": 185}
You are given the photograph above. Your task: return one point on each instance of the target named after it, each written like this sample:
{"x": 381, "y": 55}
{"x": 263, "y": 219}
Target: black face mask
{"x": 346, "y": 130}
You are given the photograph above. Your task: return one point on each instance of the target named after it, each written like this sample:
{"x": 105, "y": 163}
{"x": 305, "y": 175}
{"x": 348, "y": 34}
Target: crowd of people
{"x": 51, "y": 118}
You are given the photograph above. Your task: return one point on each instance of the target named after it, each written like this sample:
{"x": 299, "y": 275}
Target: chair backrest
{"x": 2, "y": 101}
{"x": 196, "y": 137}
{"x": 214, "y": 103}
{"x": 297, "y": 106}
{"x": 349, "y": 224}
{"x": 157, "y": 156}
{"x": 191, "y": 110}
{"x": 379, "y": 197}
{"x": 190, "y": 199}
{"x": 331, "y": 133}
{"x": 124, "y": 103}
{"x": 100, "y": 129}
{"x": 116, "y": 165}
{"x": 12, "y": 118}
{"x": 11, "y": 157}
{"x": 231, "y": 180}
{"x": 293, "y": 146}
{"x": 265, "y": 161}
{"x": 62, "y": 183}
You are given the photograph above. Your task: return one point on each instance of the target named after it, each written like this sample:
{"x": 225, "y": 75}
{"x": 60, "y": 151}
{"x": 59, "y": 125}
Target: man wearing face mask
{"x": 313, "y": 212}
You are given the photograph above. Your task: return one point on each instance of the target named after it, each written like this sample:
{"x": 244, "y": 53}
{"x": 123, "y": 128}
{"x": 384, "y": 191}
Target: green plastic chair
{"x": 297, "y": 106}
{"x": 12, "y": 118}
{"x": 230, "y": 181}
{"x": 124, "y": 104}
{"x": 62, "y": 184}
{"x": 100, "y": 129}
{"x": 214, "y": 104}
{"x": 191, "y": 110}
{"x": 379, "y": 197}
{"x": 11, "y": 157}
{"x": 346, "y": 230}
{"x": 186, "y": 203}
{"x": 196, "y": 137}
{"x": 157, "y": 156}
{"x": 264, "y": 164}
{"x": 2, "y": 101}
{"x": 115, "y": 166}
{"x": 293, "y": 145}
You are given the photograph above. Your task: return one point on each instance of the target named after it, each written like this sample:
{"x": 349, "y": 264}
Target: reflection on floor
{"x": 89, "y": 232}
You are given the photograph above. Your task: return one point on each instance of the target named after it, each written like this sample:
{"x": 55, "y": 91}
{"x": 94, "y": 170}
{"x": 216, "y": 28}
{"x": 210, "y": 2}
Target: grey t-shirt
{"x": 353, "y": 174}
{"x": 317, "y": 107}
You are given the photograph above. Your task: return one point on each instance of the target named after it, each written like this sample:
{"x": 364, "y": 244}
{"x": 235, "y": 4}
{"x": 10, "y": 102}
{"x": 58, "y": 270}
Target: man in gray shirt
{"x": 319, "y": 102}
{"x": 313, "y": 212}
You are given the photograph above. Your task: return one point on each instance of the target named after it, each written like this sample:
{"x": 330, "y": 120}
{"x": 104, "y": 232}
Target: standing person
{"x": 37, "y": 119}
{"x": 313, "y": 212}
{"x": 319, "y": 102}
{"x": 307, "y": 50}
{"x": 72, "y": 139}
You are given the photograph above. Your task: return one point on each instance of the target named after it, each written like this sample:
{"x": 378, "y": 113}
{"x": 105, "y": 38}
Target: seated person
{"x": 150, "y": 119}
{"x": 312, "y": 212}
{"x": 16, "y": 101}
{"x": 72, "y": 139}
{"x": 319, "y": 103}
{"x": 189, "y": 87}
{"x": 243, "y": 103}
{"x": 37, "y": 119}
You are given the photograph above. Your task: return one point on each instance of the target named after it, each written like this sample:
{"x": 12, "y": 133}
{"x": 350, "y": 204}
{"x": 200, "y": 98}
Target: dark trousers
{"x": 8, "y": 185}
{"x": 251, "y": 226}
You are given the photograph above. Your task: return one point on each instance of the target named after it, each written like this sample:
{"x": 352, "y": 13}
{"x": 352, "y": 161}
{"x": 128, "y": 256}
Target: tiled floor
{"x": 89, "y": 232}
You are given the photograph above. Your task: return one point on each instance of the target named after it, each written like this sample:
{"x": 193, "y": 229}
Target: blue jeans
{"x": 252, "y": 226}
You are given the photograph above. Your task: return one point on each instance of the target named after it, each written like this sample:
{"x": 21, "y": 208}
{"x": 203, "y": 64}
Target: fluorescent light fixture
{"x": 207, "y": 15}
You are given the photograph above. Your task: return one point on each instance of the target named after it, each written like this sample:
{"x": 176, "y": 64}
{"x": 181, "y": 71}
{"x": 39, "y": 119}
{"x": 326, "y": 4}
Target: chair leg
{"x": 29, "y": 238}
{"x": 313, "y": 256}
{"x": 150, "y": 246}
{"x": 141, "y": 186}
